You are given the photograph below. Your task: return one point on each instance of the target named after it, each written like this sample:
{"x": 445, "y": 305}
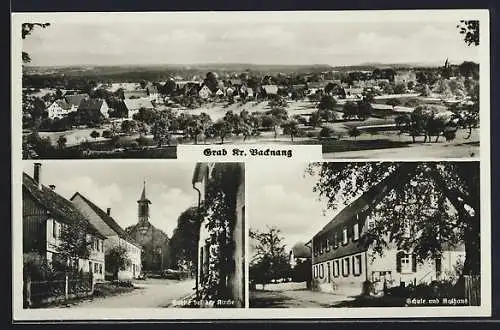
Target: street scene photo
{"x": 369, "y": 88}
{"x": 374, "y": 234}
{"x": 148, "y": 235}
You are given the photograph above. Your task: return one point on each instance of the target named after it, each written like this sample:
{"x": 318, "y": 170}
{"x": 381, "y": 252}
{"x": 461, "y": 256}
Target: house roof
{"x": 91, "y": 104}
{"x": 235, "y": 81}
{"x": 108, "y": 220}
{"x": 75, "y": 99}
{"x": 63, "y": 104}
{"x": 135, "y": 93}
{"x": 134, "y": 104}
{"x": 300, "y": 250}
{"x": 58, "y": 206}
{"x": 362, "y": 203}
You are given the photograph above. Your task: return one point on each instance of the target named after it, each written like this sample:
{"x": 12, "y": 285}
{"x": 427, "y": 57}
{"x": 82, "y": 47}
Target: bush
{"x": 310, "y": 134}
{"x": 326, "y": 132}
{"x": 107, "y": 134}
{"x": 124, "y": 284}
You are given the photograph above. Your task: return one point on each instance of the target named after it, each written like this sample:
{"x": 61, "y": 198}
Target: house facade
{"x": 134, "y": 105}
{"x": 115, "y": 235}
{"x": 231, "y": 178}
{"x": 59, "y": 109}
{"x": 74, "y": 100}
{"x": 343, "y": 263}
{"x": 205, "y": 92}
{"x": 45, "y": 214}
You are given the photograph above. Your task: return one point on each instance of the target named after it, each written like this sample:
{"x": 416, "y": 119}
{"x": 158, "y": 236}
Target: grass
{"x": 331, "y": 145}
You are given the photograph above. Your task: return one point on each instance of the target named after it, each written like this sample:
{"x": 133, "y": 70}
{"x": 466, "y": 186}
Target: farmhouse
{"x": 59, "y": 109}
{"x": 343, "y": 263}
{"x": 45, "y": 213}
{"x": 94, "y": 106}
{"x": 133, "y": 105}
{"x": 115, "y": 235}
{"x": 229, "y": 177}
{"x": 153, "y": 93}
{"x": 404, "y": 77}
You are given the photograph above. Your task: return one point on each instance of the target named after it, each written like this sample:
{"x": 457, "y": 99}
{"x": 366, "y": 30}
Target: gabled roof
{"x": 135, "y": 104}
{"x": 108, "y": 220}
{"x": 63, "y": 104}
{"x": 58, "y": 206}
{"x": 362, "y": 203}
{"x": 91, "y": 104}
{"x": 75, "y": 99}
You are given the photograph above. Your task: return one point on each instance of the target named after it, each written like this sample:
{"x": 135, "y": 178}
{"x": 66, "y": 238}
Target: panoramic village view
{"x": 95, "y": 237}
{"x": 381, "y": 235}
{"x": 90, "y": 99}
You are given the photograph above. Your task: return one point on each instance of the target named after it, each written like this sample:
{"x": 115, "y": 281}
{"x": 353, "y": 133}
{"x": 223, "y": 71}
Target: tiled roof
{"x": 135, "y": 104}
{"x": 58, "y": 206}
{"x": 91, "y": 104}
{"x": 107, "y": 219}
{"x": 75, "y": 99}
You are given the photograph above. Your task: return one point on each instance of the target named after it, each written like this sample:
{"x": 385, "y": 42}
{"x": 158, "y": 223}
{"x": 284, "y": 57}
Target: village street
{"x": 149, "y": 294}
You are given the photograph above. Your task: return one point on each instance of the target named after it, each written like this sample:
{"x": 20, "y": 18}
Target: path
{"x": 301, "y": 298}
{"x": 152, "y": 294}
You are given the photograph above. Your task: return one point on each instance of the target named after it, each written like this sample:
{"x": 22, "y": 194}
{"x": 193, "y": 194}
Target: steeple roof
{"x": 143, "y": 198}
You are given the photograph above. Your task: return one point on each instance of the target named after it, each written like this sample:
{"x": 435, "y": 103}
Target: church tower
{"x": 143, "y": 209}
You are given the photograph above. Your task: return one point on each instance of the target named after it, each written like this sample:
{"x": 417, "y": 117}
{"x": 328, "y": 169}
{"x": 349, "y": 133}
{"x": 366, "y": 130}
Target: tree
{"x": 61, "y": 142}
{"x": 161, "y": 129}
{"x": 27, "y": 28}
{"x": 470, "y": 31}
{"x": 394, "y": 102}
{"x": 278, "y": 116}
{"x": 350, "y": 110}
{"x": 326, "y": 132}
{"x": 400, "y": 88}
{"x": 291, "y": 127}
{"x": 94, "y": 134}
{"x": 437, "y": 203}
{"x": 270, "y": 261}
{"x": 211, "y": 81}
{"x": 184, "y": 241}
{"x": 73, "y": 242}
{"x": 222, "y": 128}
{"x": 365, "y": 110}
{"x": 117, "y": 259}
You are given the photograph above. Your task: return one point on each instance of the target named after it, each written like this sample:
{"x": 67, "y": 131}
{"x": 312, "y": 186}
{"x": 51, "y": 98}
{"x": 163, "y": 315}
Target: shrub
{"x": 354, "y": 132}
{"x": 310, "y": 134}
{"x": 107, "y": 134}
{"x": 326, "y": 132}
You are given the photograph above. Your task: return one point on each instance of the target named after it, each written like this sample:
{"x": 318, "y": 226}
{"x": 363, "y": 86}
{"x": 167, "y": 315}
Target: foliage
{"x": 74, "y": 243}
{"x": 354, "y": 132}
{"x": 94, "y": 134}
{"x": 61, "y": 141}
{"x": 117, "y": 259}
{"x": 222, "y": 128}
{"x": 290, "y": 127}
{"x": 270, "y": 261}
{"x": 326, "y": 132}
{"x": 27, "y": 28}
{"x": 184, "y": 241}
{"x": 426, "y": 204}
{"x": 470, "y": 31}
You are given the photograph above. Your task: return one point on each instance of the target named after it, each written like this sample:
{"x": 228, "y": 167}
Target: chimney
{"x": 37, "y": 173}
{"x": 52, "y": 186}
{"x": 108, "y": 211}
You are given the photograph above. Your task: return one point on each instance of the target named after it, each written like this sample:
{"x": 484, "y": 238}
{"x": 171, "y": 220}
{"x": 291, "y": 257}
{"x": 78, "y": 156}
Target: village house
{"x": 153, "y": 93}
{"x": 342, "y": 263}
{"x": 134, "y": 105}
{"x": 45, "y": 213}
{"x": 231, "y": 178}
{"x": 270, "y": 89}
{"x": 74, "y": 100}
{"x": 205, "y": 92}
{"x": 353, "y": 93}
{"x": 59, "y": 109}
{"x": 94, "y": 106}
{"x": 115, "y": 235}
{"x": 404, "y": 77}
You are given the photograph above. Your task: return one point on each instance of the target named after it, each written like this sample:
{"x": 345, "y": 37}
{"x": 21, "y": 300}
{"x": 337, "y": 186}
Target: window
{"x": 54, "y": 229}
{"x": 355, "y": 228}
{"x": 96, "y": 268}
{"x": 321, "y": 271}
{"x": 371, "y": 222}
{"x": 315, "y": 250}
{"x": 344, "y": 236}
{"x": 405, "y": 263}
{"x": 356, "y": 265}
{"x": 335, "y": 240}
{"x": 329, "y": 272}
{"x": 345, "y": 267}
{"x": 328, "y": 244}
{"x": 90, "y": 266}
{"x": 336, "y": 268}
{"x": 315, "y": 271}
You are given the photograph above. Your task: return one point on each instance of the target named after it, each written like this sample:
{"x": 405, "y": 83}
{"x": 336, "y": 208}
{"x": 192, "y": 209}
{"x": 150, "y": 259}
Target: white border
{"x": 20, "y": 314}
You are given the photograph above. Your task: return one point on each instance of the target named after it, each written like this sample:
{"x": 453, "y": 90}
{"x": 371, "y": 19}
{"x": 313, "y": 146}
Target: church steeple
{"x": 143, "y": 206}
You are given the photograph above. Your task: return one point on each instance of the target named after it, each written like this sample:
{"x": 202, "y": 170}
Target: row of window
{"x": 344, "y": 267}
{"x": 95, "y": 243}
{"x": 325, "y": 244}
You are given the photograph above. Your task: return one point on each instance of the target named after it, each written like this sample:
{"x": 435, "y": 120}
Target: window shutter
{"x": 398, "y": 261}
{"x": 414, "y": 263}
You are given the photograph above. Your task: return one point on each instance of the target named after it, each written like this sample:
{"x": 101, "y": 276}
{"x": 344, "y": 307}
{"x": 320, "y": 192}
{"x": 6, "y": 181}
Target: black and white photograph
{"x": 136, "y": 86}
{"x": 151, "y": 235}
{"x": 374, "y": 234}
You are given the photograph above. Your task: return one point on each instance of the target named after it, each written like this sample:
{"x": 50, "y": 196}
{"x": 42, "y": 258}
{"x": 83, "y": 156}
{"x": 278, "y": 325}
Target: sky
{"x": 266, "y": 40}
{"x": 118, "y": 185}
{"x": 281, "y": 195}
